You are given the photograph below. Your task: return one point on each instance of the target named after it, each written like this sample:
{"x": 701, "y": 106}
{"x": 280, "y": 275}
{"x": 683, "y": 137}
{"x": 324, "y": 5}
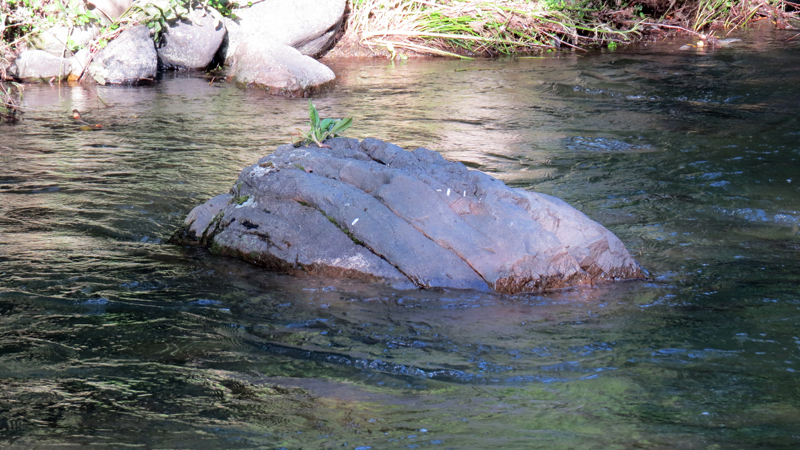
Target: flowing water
{"x": 112, "y": 338}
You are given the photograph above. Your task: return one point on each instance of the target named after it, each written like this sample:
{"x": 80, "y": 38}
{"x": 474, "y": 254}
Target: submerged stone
{"x": 372, "y": 210}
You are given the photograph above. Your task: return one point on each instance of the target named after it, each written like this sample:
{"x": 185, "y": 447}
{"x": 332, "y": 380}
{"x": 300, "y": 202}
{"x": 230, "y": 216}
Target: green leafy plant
{"x": 156, "y": 13}
{"x": 321, "y": 129}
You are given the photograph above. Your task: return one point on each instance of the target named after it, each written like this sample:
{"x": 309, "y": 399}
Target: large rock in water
{"x": 371, "y": 210}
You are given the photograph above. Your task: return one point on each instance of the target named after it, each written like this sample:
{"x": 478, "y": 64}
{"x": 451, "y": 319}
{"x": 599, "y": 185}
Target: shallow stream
{"x": 112, "y": 338}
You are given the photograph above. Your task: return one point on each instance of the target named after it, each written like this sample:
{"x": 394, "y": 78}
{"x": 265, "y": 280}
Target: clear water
{"x": 111, "y": 338}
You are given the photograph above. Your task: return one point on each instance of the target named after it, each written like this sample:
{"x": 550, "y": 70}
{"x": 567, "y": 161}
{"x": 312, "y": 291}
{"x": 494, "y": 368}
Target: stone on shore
{"x": 373, "y": 211}
{"x": 57, "y": 39}
{"x": 192, "y": 43}
{"x": 279, "y": 69}
{"x": 38, "y": 65}
{"x": 80, "y": 62}
{"x": 128, "y": 59}
{"x": 306, "y": 25}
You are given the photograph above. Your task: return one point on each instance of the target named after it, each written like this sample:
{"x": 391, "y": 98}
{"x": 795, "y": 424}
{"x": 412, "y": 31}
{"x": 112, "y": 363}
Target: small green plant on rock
{"x": 320, "y": 129}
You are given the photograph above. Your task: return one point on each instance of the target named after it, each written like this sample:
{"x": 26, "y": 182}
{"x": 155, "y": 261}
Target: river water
{"x": 112, "y": 338}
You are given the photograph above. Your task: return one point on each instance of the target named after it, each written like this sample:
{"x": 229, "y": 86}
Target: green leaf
{"x": 321, "y": 129}
{"x": 326, "y": 124}
{"x": 341, "y": 126}
{"x": 312, "y": 113}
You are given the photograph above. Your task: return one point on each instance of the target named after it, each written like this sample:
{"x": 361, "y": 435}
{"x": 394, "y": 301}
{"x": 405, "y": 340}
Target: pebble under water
{"x": 112, "y": 338}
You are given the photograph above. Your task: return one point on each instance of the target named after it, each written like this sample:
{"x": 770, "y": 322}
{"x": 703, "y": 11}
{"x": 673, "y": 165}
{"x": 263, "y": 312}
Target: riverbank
{"x": 76, "y": 32}
{"x": 472, "y": 28}
{"x": 463, "y": 28}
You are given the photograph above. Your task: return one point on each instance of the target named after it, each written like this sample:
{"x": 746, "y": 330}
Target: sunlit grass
{"x": 481, "y": 28}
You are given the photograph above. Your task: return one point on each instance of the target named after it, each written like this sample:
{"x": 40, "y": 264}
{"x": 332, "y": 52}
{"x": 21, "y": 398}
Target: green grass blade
{"x": 341, "y": 126}
{"x": 313, "y": 115}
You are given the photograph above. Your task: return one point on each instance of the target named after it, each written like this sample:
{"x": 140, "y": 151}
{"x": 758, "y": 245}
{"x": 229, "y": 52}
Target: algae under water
{"x": 111, "y": 338}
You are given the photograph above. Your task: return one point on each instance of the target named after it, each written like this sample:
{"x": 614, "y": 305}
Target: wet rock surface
{"x": 372, "y": 210}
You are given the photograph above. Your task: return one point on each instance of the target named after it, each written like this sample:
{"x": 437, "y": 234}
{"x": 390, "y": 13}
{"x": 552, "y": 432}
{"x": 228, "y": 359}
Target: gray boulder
{"x": 279, "y": 69}
{"x": 307, "y": 25}
{"x": 371, "y": 210}
{"x": 38, "y": 65}
{"x": 129, "y": 58}
{"x": 192, "y": 43}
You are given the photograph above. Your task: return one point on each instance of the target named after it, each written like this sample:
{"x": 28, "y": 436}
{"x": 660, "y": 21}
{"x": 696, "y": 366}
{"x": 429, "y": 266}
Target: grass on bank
{"x": 483, "y": 28}
{"x": 439, "y": 27}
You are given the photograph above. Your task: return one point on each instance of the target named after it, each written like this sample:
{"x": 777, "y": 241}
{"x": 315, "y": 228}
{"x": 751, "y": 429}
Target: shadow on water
{"x": 111, "y": 338}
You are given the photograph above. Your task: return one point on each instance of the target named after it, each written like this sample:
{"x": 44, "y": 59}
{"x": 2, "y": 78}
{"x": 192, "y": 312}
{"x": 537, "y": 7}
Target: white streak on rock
{"x": 259, "y": 171}
{"x": 250, "y": 202}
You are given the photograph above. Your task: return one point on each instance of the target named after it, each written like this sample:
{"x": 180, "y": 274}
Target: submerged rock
{"x": 371, "y": 210}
